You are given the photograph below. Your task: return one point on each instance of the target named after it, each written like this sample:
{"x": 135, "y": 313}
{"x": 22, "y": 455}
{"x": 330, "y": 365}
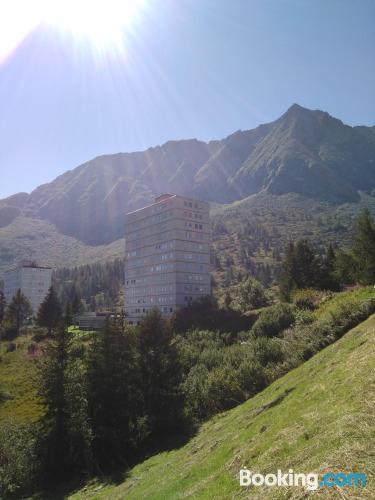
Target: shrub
{"x": 274, "y": 320}
{"x": 17, "y": 460}
{"x": 306, "y": 298}
{"x": 249, "y": 294}
{"x": 304, "y": 316}
{"x": 267, "y": 350}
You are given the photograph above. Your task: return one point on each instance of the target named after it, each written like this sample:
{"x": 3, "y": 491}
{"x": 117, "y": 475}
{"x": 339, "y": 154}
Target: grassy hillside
{"x": 17, "y": 382}
{"x": 317, "y": 418}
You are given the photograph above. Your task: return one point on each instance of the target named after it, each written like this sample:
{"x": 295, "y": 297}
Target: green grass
{"x": 17, "y": 382}
{"x": 319, "y": 417}
{"x": 347, "y": 299}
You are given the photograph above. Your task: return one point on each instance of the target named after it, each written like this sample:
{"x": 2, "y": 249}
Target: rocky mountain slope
{"x": 305, "y": 152}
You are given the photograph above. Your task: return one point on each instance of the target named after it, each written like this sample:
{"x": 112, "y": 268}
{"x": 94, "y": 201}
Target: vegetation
{"x": 279, "y": 428}
{"x": 17, "y": 314}
{"x": 108, "y": 399}
{"x": 50, "y": 313}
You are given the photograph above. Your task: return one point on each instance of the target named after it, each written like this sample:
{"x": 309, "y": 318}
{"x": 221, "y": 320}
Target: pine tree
{"x": 328, "y": 276}
{"x": 50, "y": 313}
{"x": 307, "y": 266}
{"x": 160, "y": 373}
{"x": 2, "y": 306}
{"x": 114, "y": 396}
{"x": 18, "y": 311}
{"x": 68, "y": 314}
{"x": 364, "y": 248}
{"x": 77, "y": 306}
{"x": 64, "y": 433}
{"x": 288, "y": 273}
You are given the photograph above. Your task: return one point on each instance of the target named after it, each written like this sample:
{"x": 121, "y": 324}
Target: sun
{"x": 101, "y": 22}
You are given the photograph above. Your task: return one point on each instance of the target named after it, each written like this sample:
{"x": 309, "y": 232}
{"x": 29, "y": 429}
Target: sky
{"x": 78, "y": 83}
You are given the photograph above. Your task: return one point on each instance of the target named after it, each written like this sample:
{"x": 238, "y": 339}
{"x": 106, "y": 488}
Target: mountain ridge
{"x": 307, "y": 152}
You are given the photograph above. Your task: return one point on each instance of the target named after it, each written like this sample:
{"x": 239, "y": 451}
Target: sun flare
{"x": 102, "y": 23}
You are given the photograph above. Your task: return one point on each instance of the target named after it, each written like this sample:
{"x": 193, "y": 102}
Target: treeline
{"x": 99, "y": 285}
{"x": 303, "y": 268}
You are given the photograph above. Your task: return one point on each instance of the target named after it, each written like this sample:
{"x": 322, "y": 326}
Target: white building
{"x": 167, "y": 257}
{"x": 33, "y": 281}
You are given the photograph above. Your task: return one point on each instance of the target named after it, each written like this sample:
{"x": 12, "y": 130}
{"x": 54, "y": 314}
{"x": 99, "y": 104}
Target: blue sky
{"x": 192, "y": 68}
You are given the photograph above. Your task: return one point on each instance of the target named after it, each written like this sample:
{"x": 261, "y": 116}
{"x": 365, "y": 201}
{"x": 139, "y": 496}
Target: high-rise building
{"x": 33, "y": 281}
{"x": 167, "y": 257}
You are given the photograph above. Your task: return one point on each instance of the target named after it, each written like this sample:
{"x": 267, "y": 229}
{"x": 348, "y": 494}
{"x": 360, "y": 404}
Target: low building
{"x": 33, "y": 280}
{"x": 92, "y": 320}
{"x": 167, "y": 257}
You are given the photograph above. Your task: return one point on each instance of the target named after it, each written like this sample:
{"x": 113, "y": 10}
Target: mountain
{"x": 308, "y": 153}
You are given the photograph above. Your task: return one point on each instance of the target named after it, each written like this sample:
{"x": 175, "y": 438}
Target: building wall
{"x": 167, "y": 258}
{"x": 34, "y": 283}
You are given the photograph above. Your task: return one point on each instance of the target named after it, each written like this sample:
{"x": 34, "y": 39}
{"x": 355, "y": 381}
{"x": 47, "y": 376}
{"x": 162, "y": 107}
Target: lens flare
{"x": 102, "y": 23}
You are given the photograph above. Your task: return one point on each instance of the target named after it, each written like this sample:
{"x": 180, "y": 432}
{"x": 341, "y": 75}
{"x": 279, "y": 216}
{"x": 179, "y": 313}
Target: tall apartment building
{"x": 167, "y": 257}
{"x": 33, "y": 281}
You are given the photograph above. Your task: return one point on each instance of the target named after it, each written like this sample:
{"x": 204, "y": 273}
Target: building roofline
{"x": 170, "y": 196}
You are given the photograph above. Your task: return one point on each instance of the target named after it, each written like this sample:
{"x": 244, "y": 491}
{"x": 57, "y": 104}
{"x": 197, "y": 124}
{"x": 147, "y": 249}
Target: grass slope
{"x": 18, "y": 383}
{"x": 319, "y": 417}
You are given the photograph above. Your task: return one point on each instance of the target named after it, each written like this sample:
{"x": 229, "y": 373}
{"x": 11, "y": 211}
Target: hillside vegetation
{"x": 317, "y": 418}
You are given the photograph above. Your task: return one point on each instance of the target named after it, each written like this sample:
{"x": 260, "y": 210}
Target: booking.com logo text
{"x": 310, "y": 481}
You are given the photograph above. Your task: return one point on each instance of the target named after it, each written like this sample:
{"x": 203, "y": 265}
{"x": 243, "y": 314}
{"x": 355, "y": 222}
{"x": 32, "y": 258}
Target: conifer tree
{"x": 160, "y": 373}
{"x": 18, "y": 311}
{"x": 68, "y": 314}
{"x": 288, "y": 273}
{"x": 64, "y": 433}
{"x": 2, "y": 306}
{"x": 114, "y": 396}
{"x": 50, "y": 313}
{"x": 328, "y": 275}
{"x": 364, "y": 248}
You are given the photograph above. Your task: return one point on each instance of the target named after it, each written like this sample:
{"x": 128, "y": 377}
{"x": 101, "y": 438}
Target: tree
{"x": 364, "y": 248}
{"x": 18, "y": 311}
{"x": 50, "y": 313}
{"x": 64, "y": 434}
{"x": 77, "y": 305}
{"x": 160, "y": 374}
{"x": 300, "y": 268}
{"x": 250, "y": 294}
{"x": 328, "y": 276}
{"x": 2, "y": 306}
{"x": 227, "y": 300}
{"x": 115, "y": 398}
{"x": 288, "y": 272}
{"x": 68, "y": 314}
{"x": 307, "y": 266}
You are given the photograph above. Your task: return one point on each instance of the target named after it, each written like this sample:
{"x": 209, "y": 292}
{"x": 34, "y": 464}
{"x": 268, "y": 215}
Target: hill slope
{"x": 319, "y": 417}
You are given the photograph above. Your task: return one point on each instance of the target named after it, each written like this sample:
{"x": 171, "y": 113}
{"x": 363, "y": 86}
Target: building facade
{"x": 33, "y": 281}
{"x": 167, "y": 257}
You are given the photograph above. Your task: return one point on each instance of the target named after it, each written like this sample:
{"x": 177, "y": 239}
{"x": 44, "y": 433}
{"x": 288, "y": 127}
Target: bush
{"x": 274, "y": 320}
{"x": 17, "y": 460}
{"x": 267, "y": 350}
{"x": 248, "y": 295}
{"x": 306, "y": 298}
{"x": 304, "y": 317}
